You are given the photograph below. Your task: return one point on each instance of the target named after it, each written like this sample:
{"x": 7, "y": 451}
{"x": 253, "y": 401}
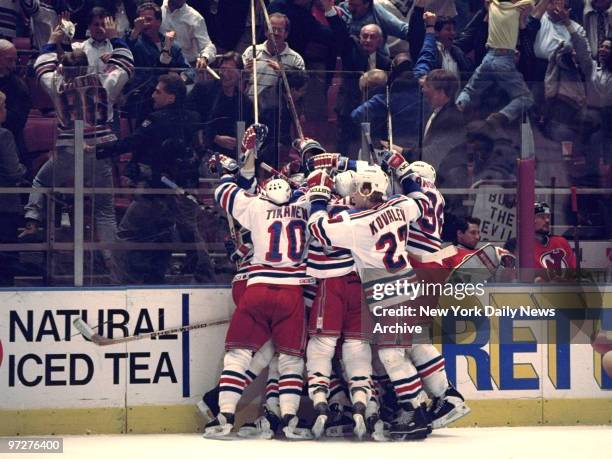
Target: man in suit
{"x": 445, "y": 126}
{"x": 357, "y": 57}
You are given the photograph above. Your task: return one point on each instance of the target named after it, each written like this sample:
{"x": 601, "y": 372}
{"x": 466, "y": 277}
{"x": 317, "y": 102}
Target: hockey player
{"x": 272, "y": 307}
{"x": 426, "y": 256}
{"x": 241, "y": 252}
{"x": 337, "y": 314}
{"x": 375, "y": 235}
{"x": 552, "y": 253}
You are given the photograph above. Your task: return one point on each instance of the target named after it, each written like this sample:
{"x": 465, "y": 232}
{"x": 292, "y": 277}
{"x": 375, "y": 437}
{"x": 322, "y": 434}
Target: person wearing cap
{"x": 551, "y": 253}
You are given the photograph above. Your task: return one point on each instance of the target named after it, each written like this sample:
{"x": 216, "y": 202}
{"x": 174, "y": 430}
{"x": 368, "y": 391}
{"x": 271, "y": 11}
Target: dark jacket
{"x": 18, "y": 105}
{"x": 11, "y": 170}
{"x": 474, "y": 37}
{"x": 219, "y": 112}
{"x": 304, "y": 27}
{"x": 464, "y": 63}
{"x": 446, "y": 131}
{"x": 406, "y": 102}
{"x": 354, "y": 63}
{"x": 161, "y": 141}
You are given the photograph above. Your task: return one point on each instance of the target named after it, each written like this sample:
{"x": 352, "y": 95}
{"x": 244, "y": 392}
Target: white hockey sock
{"x": 430, "y": 366}
{"x": 290, "y": 382}
{"x": 403, "y": 375}
{"x": 233, "y": 378}
{"x": 272, "y": 400}
{"x": 319, "y": 354}
{"x": 338, "y": 392}
{"x": 357, "y": 359}
{"x": 261, "y": 360}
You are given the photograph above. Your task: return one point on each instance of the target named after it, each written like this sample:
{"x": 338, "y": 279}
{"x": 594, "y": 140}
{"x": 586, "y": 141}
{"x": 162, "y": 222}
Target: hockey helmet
{"x": 278, "y": 191}
{"x": 423, "y": 169}
{"x": 344, "y": 183}
{"x": 373, "y": 178}
{"x": 541, "y": 208}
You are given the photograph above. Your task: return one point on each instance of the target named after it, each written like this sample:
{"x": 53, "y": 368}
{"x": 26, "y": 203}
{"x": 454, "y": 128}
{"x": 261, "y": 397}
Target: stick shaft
{"x": 102, "y": 341}
{"x": 266, "y": 167}
{"x": 254, "y": 45}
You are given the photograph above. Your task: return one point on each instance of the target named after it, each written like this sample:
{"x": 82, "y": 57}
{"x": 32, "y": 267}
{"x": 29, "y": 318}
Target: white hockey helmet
{"x": 375, "y": 179}
{"x": 278, "y": 191}
{"x": 423, "y": 169}
{"x": 344, "y": 183}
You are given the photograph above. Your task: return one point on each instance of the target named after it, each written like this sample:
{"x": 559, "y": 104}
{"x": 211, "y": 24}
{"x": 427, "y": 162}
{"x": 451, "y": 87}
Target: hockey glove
{"x": 320, "y": 185}
{"x": 397, "y": 163}
{"x": 228, "y": 165}
{"x": 237, "y": 254}
{"x": 328, "y": 161}
{"x": 254, "y": 137}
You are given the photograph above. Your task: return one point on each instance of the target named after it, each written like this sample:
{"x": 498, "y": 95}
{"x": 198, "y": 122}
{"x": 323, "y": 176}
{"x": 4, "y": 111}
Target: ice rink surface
{"x": 579, "y": 442}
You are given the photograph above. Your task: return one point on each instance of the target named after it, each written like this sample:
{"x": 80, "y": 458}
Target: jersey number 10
{"x": 295, "y": 230}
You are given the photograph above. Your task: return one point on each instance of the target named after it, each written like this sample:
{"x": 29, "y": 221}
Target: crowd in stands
{"x": 459, "y": 79}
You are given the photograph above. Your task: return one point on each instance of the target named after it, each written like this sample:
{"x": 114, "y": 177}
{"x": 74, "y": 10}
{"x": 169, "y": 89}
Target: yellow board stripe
{"x": 185, "y": 418}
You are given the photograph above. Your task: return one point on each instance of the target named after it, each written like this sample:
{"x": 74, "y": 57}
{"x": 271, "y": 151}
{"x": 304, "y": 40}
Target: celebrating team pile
{"x": 309, "y": 251}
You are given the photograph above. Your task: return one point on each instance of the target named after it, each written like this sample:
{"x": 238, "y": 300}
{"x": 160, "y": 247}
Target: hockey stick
{"x": 368, "y": 138}
{"x": 266, "y": 167}
{"x": 182, "y": 192}
{"x": 95, "y": 338}
{"x": 212, "y": 73}
{"x": 390, "y": 135}
{"x": 292, "y": 109}
{"x": 254, "y": 46}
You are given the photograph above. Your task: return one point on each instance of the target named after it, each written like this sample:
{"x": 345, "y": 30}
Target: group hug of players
{"x": 307, "y": 246}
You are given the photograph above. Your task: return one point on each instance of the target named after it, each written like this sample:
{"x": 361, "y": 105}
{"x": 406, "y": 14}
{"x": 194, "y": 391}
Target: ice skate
{"x": 339, "y": 424}
{"x": 377, "y": 428}
{"x": 264, "y": 427}
{"x": 410, "y": 424}
{"x": 219, "y": 427}
{"x": 293, "y": 431}
{"x": 448, "y": 409}
{"x": 360, "y": 428}
{"x": 318, "y": 428}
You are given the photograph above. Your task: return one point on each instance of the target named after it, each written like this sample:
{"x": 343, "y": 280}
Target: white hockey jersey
{"x": 279, "y": 234}
{"x": 327, "y": 262}
{"x": 88, "y": 97}
{"x": 376, "y": 237}
{"x": 425, "y": 234}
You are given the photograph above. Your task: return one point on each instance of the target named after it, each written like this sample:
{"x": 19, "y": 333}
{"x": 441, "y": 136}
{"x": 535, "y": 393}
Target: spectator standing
{"x": 221, "y": 104}
{"x": 11, "y": 11}
{"x": 498, "y": 65}
{"x": 78, "y": 93}
{"x": 154, "y": 54}
{"x": 405, "y": 101}
{"x": 191, "y": 31}
{"x": 18, "y": 102}
{"x": 444, "y": 130}
{"x": 449, "y": 56}
{"x": 268, "y": 55}
{"x": 597, "y": 21}
{"x": 161, "y": 146}
{"x": 11, "y": 171}
{"x": 98, "y": 46}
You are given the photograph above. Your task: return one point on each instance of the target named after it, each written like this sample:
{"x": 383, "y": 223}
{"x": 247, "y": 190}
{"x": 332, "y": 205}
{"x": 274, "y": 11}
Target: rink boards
{"x": 512, "y": 372}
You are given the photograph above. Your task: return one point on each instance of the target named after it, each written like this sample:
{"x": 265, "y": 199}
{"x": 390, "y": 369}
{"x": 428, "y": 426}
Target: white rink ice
{"x": 578, "y": 442}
